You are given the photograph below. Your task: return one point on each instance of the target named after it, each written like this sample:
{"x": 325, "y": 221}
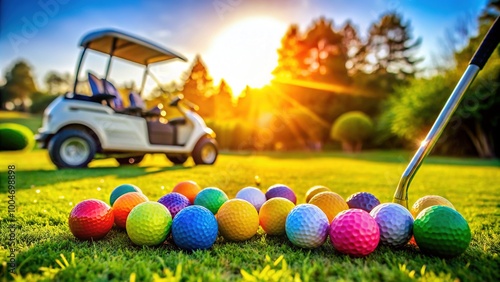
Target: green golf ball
{"x": 441, "y": 231}
{"x": 211, "y": 198}
{"x": 148, "y": 224}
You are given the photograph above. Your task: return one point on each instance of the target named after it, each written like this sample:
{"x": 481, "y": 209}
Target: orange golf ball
{"x": 124, "y": 204}
{"x": 238, "y": 220}
{"x": 188, "y": 188}
{"x": 273, "y": 213}
{"x": 315, "y": 190}
{"x": 330, "y": 203}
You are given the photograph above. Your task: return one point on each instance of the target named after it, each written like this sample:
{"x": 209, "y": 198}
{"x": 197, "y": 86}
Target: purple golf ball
{"x": 395, "y": 223}
{"x": 252, "y": 195}
{"x": 362, "y": 200}
{"x": 281, "y": 190}
{"x": 174, "y": 202}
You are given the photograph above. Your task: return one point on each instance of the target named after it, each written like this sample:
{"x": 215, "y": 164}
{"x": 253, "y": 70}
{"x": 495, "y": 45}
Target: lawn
{"x": 45, "y": 197}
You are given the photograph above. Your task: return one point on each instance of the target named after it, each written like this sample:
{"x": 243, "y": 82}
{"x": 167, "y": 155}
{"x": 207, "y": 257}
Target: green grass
{"x": 45, "y": 197}
{"x": 33, "y": 122}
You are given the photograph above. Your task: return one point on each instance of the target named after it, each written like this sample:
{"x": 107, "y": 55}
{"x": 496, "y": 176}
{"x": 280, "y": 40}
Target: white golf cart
{"x": 78, "y": 128}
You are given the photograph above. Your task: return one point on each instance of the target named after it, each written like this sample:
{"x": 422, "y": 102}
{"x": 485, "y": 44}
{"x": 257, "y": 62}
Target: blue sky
{"x": 46, "y": 32}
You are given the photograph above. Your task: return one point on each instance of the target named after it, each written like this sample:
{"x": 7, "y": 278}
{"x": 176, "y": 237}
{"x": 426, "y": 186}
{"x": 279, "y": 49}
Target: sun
{"x": 245, "y": 52}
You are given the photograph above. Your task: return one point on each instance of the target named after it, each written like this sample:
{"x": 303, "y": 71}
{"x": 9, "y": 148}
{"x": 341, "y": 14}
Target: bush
{"x": 352, "y": 129}
{"x": 14, "y": 137}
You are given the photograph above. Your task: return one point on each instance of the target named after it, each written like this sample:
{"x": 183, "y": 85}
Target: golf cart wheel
{"x": 130, "y": 160}
{"x": 177, "y": 159}
{"x": 72, "y": 149}
{"x": 205, "y": 151}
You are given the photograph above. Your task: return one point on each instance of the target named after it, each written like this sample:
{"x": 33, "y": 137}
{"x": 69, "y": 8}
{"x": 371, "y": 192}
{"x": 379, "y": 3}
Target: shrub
{"x": 352, "y": 129}
{"x": 15, "y": 137}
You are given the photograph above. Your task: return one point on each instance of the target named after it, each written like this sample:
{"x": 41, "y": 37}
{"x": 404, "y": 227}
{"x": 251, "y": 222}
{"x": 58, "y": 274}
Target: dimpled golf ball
{"x": 280, "y": 190}
{"x": 124, "y": 204}
{"x": 273, "y": 213}
{"x": 307, "y": 226}
{"x": 211, "y": 198}
{"x": 362, "y": 200}
{"x": 441, "y": 231}
{"x": 91, "y": 219}
{"x": 354, "y": 232}
{"x": 188, "y": 188}
{"x": 330, "y": 203}
{"x": 429, "y": 201}
{"x": 238, "y": 220}
{"x": 315, "y": 190}
{"x": 120, "y": 190}
{"x": 148, "y": 224}
{"x": 395, "y": 224}
{"x": 174, "y": 202}
{"x": 194, "y": 228}
{"x": 252, "y": 195}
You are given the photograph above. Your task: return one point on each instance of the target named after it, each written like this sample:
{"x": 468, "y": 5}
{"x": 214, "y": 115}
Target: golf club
{"x": 486, "y": 48}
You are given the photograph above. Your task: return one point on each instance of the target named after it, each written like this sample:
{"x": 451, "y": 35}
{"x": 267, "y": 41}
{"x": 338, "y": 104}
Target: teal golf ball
{"x": 194, "y": 228}
{"x": 441, "y": 231}
{"x": 148, "y": 224}
{"x": 211, "y": 198}
{"x": 307, "y": 226}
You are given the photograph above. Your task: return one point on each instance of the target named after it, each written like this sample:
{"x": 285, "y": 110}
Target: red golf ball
{"x": 91, "y": 219}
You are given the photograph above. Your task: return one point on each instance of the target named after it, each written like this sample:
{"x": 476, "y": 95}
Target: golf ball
{"x": 280, "y": 190}
{"x": 188, "y": 188}
{"x": 174, "y": 202}
{"x": 194, "y": 228}
{"x": 429, "y": 201}
{"x": 330, "y": 203}
{"x": 441, "y": 231}
{"x": 120, "y": 190}
{"x": 354, "y": 232}
{"x": 211, "y": 198}
{"x": 395, "y": 224}
{"x": 273, "y": 213}
{"x": 315, "y": 190}
{"x": 362, "y": 200}
{"x": 252, "y": 195}
{"x": 307, "y": 226}
{"x": 148, "y": 224}
{"x": 238, "y": 220}
{"x": 91, "y": 219}
{"x": 124, "y": 204}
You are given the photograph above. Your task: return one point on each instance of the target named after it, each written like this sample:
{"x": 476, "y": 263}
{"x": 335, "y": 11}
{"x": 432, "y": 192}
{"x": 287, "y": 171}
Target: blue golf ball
{"x": 252, "y": 195}
{"x": 362, "y": 200}
{"x": 395, "y": 223}
{"x": 194, "y": 228}
{"x": 307, "y": 226}
{"x": 174, "y": 202}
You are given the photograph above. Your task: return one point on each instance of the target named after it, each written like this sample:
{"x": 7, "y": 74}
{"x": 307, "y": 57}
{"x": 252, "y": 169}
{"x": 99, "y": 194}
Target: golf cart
{"x": 78, "y": 128}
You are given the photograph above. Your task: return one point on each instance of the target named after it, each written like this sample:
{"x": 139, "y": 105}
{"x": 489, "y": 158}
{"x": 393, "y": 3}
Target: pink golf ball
{"x": 354, "y": 232}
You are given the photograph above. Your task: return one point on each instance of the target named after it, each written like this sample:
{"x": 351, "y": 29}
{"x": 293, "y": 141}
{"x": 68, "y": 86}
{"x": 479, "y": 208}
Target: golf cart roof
{"x": 128, "y": 47}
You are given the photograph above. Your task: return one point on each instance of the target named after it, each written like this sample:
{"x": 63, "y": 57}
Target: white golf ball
{"x": 395, "y": 223}
{"x": 252, "y": 195}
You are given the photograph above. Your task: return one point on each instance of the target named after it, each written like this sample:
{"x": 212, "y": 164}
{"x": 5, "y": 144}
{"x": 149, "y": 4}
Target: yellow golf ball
{"x": 428, "y": 201}
{"x": 273, "y": 213}
{"x": 330, "y": 203}
{"x": 313, "y": 191}
{"x": 238, "y": 220}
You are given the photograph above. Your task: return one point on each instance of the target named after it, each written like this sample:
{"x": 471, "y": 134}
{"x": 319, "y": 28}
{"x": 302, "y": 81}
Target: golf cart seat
{"x": 136, "y": 101}
{"x": 101, "y": 86}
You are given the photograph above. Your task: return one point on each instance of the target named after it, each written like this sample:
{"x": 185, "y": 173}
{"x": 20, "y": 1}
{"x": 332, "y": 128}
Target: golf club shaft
{"x": 488, "y": 45}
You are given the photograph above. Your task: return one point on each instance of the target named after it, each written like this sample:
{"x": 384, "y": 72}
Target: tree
{"x": 351, "y": 44}
{"x": 198, "y": 87}
{"x": 57, "y": 83}
{"x": 326, "y": 55}
{"x": 291, "y": 56}
{"x": 223, "y": 100}
{"x": 390, "y": 49}
{"x": 19, "y": 85}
